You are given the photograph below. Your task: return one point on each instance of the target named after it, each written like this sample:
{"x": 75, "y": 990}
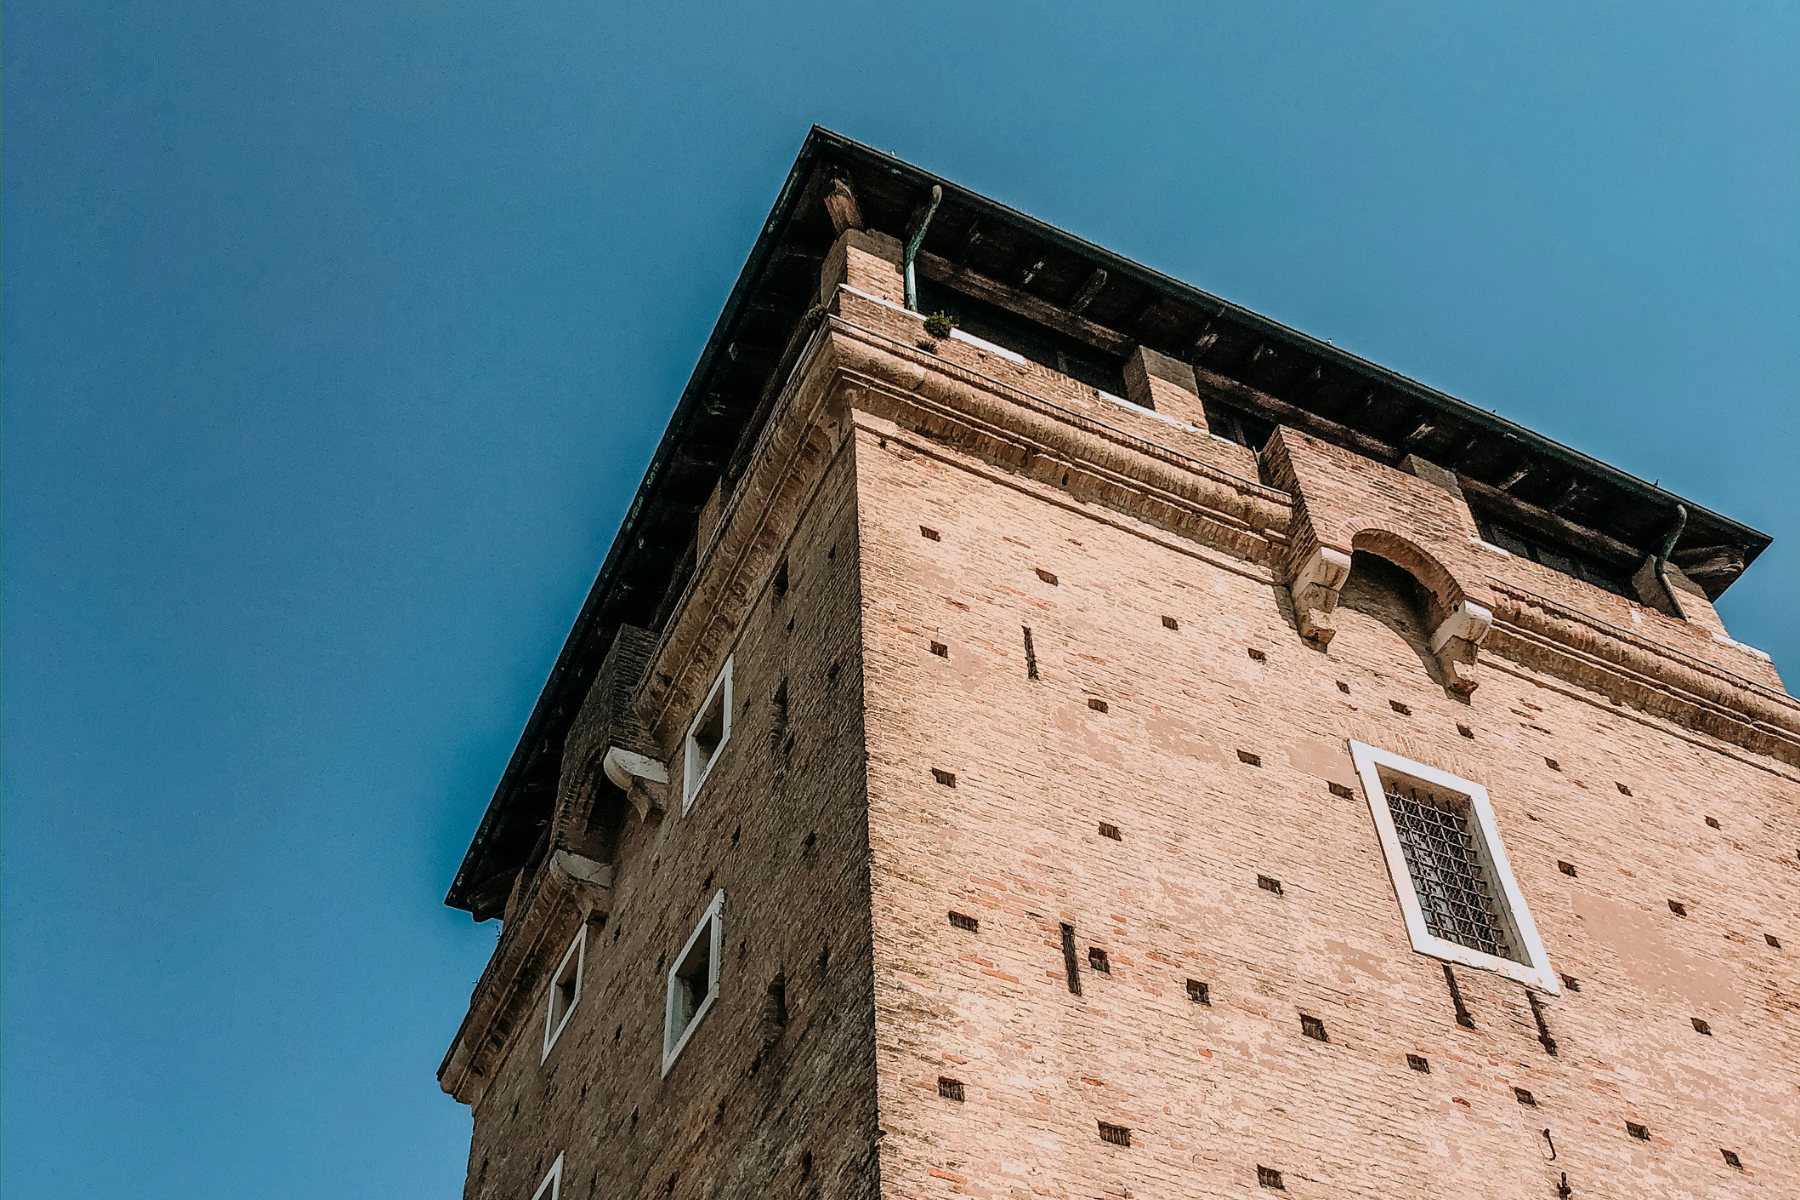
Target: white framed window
{"x": 693, "y": 982}
{"x": 706, "y": 737}
{"x": 551, "y": 1188}
{"x": 565, "y": 991}
{"x": 1456, "y": 888}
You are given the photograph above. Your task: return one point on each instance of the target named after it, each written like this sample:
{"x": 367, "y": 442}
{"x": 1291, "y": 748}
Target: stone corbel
{"x": 643, "y": 779}
{"x": 1455, "y": 640}
{"x": 1315, "y": 589}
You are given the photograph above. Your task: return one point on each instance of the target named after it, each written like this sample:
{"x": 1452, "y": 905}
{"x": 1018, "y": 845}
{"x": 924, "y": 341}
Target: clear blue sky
{"x": 337, "y": 336}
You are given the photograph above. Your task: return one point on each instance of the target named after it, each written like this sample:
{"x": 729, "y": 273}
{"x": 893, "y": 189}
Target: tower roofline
{"x": 1251, "y": 365}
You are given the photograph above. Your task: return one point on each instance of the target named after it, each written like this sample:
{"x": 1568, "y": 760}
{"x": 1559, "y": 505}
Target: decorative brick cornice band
{"x": 1658, "y": 679}
{"x": 995, "y": 420}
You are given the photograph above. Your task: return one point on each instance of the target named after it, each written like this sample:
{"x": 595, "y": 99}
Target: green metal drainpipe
{"x": 1662, "y": 559}
{"x": 913, "y": 242}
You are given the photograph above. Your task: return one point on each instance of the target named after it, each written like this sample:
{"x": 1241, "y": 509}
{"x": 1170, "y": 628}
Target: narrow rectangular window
{"x": 551, "y": 1187}
{"x": 1457, "y": 892}
{"x": 693, "y": 982}
{"x": 565, "y": 991}
{"x": 706, "y": 737}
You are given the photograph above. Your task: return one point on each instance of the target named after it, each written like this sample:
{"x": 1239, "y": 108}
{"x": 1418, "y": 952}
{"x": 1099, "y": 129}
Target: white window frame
{"x": 551, "y": 1188}
{"x": 711, "y": 926}
{"x": 694, "y": 772}
{"x": 1535, "y": 971}
{"x": 553, "y": 1026}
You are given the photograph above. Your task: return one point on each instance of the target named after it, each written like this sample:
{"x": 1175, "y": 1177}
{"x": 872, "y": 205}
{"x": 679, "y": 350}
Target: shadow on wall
{"x": 1387, "y": 593}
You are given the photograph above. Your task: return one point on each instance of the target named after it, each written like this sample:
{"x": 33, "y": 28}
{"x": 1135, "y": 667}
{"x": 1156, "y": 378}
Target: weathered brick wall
{"x": 749, "y": 1108}
{"x": 922, "y": 770}
{"x": 1213, "y": 1091}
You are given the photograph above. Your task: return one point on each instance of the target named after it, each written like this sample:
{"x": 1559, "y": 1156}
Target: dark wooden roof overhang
{"x": 1252, "y": 364}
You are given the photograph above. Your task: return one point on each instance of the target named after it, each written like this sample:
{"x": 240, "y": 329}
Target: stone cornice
{"x": 1631, "y": 669}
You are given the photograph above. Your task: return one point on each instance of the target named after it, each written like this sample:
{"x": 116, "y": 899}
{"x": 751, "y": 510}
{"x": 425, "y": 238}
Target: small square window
{"x": 1097, "y": 704}
{"x": 693, "y": 982}
{"x": 1456, "y": 889}
{"x": 947, "y": 778}
{"x": 1678, "y": 908}
{"x": 1524, "y": 1097}
{"x": 1404, "y": 710}
{"x": 1269, "y": 884}
{"x": 1341, "y": 791}
{"x": 706, "y": 737}
{"x": 565, "y": 991}
{"x": 1466, "y": 731}
{"x": 1046, "y": 576}
{"x": 1772, "y": 940}
{"x": 1098, "y": 960}
{"x": 551, "y": 1187}
{"x": 1313, "y": 1028}
{"x": 1640, "y": 1132}
{"x": 1199, "y": 992}
{"x": 1572, "y": 983}
{"x": 1701, "y": 1026}
{"x": 1418, "y": 1063}
{"x": 1257, "y": 655}
{"x": 965, "y": 922}
{"x": 1732, "y": 1160}
{"x": 1712, "y": 822}
{"x": 941, "y": 650}
{"x": 1249, "y": 759}
{"x": 1343, "y": 687}
{"x": 1118, "y": 1135}
{"x": 1171, "y": 623}
{"x": 1269, "y": 1177}
{"x": 950, "y": 1089}
{"x": 1111, "y": 831}
{"x": 1623, "y": 790}
{"x": 930, "y": 534}
{"x": 1566, "y": 868}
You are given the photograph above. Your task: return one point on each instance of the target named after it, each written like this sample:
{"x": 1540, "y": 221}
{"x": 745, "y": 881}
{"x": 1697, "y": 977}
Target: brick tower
{"x": 1115, "y": 745}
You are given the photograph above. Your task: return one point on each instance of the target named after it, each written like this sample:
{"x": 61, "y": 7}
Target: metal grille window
{"x": 1455, "y": 895}
{"x": 1441, "y": 843}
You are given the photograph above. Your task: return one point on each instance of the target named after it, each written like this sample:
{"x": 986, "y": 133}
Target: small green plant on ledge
{"x": 939, "y": 324}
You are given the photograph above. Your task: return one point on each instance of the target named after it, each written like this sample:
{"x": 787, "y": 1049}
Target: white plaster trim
{"x": 711, "y": 925}
{"x": 551, "y": 1188}
{"x": 1500, "y": 550}
{"x": 1536, "y": 971}
{"x": 694, "y": 773}
{"x": 1165, "y": 418}
{"x": 1737, "y": 645}
{"x": 621, "y": 765}
{"x": 553, "y": 1026}
{"x": 983, "y": 344}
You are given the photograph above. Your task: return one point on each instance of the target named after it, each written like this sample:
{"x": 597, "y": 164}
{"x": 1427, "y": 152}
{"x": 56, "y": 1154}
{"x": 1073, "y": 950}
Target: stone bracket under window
{"x": 1449, "y": 869}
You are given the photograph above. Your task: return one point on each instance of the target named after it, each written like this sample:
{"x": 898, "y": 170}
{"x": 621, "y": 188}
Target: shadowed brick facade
{"x": 1046, "y": 869}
